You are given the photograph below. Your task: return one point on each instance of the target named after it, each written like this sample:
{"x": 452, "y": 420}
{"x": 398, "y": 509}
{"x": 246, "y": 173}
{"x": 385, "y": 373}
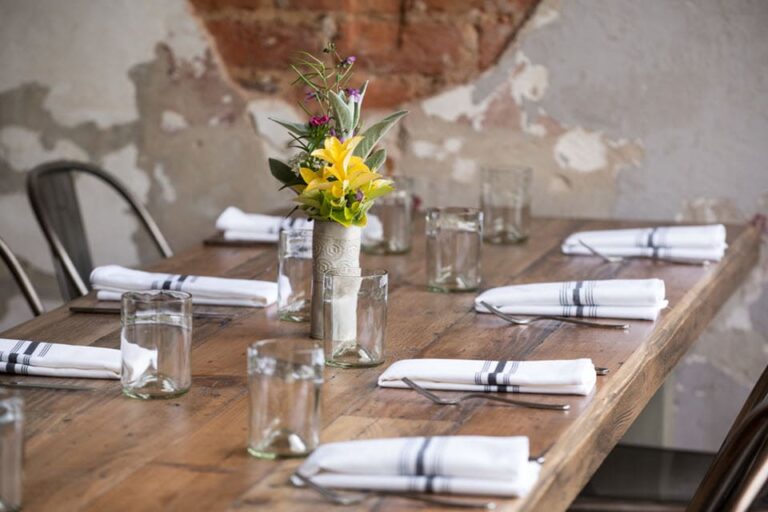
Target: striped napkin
{"x": 23, "y": 357}
{"x": 255, "y": 227}
{"x": 112, "y": 281}
{"x": 639, "y": 299}
{"x": 703, "y": 243}
{"x": 568, "y": 377}
{"x": 479, "y": 465}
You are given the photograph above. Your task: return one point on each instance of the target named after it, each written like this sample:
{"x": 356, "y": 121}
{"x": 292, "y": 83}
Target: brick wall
{"x": 407, "y": 48}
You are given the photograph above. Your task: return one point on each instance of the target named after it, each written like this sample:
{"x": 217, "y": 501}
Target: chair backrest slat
{"x": 52, "y": 193}
{"x": 21, "y": 278}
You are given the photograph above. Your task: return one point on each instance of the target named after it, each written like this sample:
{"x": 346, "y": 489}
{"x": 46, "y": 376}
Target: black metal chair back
{"x": 51, "y": 191}
{"x": 21, "y": 278}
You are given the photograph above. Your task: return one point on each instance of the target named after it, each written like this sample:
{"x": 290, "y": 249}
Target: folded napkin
{"x": 640, "y": 299}
{"x": 55, "y": 360}
{"x": 477, "y": 465}
{"x": 705, "y": 243}
{"x": 567, "y": 377}
{"x": 255, "y": 227}
{"x": 112, "y": 281}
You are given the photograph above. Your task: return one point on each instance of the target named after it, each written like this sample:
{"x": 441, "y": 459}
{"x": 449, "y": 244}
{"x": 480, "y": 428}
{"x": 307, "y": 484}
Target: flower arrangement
{"x": 334, "y": 173}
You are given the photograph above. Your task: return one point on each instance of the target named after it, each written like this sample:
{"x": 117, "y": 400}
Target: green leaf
{"x": 282, "y": 172}
{"x": 376, "y": 159}
{"x": 359, "y": 105}
{"x": 343, "y": 113}
{"x": 374, "y": 134}
{"x": 297, "y": 128}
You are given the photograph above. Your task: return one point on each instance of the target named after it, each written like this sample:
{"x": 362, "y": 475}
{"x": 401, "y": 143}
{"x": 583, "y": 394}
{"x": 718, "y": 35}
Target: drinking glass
{"x": 155, "y": 343}
{"x": 506, "y": 204}
{"x": 389, "y": 220}
{"x": 355, "y": 309}
{"x": 11, "y": 449}
{"x": 294, "y": 275}
{"x": 284, "y": 381}
{"x": 454, "y": 239}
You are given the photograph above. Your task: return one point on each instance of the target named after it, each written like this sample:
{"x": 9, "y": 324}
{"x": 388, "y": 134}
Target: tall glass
{"x": 294, "y": 275}
{"x": 355, "y": 308}
{"x": 506, "y": 204}
{"x": 454, "y": 240}
{"x": 285, "y": 377}
{"x": 155, "y": 343}
{"x": 390, "y": 220}
{"x": 11, "y": 449}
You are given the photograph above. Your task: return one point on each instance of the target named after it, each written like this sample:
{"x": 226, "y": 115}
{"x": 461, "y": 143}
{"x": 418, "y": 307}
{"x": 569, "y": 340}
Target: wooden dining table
{"x": 99, "y": 450}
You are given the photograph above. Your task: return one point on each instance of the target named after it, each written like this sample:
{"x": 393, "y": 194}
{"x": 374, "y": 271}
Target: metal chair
{"x": 21, "y": 278}
{"x": 656, "y": 479}
{"x": 51, "y": 191}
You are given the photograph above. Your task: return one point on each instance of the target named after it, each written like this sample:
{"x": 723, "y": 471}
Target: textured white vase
{"x": 333, "y": 247}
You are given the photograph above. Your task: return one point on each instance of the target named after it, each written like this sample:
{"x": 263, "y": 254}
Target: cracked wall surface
{"x": 623, "y": 109}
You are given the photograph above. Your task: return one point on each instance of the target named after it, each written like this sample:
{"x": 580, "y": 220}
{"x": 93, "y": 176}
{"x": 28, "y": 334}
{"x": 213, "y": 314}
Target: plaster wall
{"x": 624, "y": 109}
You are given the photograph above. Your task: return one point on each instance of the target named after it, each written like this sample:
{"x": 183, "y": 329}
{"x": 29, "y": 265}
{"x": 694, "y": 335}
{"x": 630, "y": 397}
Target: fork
{"x": 525, "y": 321}
{"x": 455, "y": 401}
{"x": 617, "y": 259}
{"x": 349, "y": 498}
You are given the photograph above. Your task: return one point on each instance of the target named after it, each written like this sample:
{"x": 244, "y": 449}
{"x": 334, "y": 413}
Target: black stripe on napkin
{"x": 650, "y": 242}
{"x": 420, "y": 457}
{"x": 429, "y": 484}
{"x": 180, "y": 282}
{"x": 577, "y": 294}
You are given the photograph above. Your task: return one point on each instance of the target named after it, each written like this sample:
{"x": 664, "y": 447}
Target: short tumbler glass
{"x": 454, "y": 240}
{"x": 285, "y": 377}
{"x": 506, "y": 204}
{"x": 294, "y": 275}
{"x": 390, "y": 219}
{"x": 355, "y": 309}
{"x": 11, "y": 449}
{"x": 155, "y": 343}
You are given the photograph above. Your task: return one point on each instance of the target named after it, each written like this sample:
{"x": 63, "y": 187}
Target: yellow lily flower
{"x": 338, "y": 154}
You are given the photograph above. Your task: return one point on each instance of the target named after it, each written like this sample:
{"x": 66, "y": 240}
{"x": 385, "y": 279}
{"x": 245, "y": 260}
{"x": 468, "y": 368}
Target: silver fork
{"x": 349, "y": 498}
{"x": 617, "y": 259}
{"x": 525, "y": 321}
{"x": 455, "y": 401}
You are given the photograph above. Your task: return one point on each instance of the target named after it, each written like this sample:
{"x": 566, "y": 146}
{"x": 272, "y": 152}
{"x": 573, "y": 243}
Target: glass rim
{"x": 454, "y": 210}
{"x": 156, "y": 296}
{"x": 296, "y": 231}
{"x": 302, "y": 346}
{"x": 359, "y": 272}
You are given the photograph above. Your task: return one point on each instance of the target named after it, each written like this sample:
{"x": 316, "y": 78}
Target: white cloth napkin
{"x": 112, "y": 281}
{"x": 705, "y": 243}
{"x": 478, "y": 465}
{"x": 568, "y": 377}
{"x": 23, "y": 357}
{"x": 255, "y": 227}
{"x": 640, "y": 299}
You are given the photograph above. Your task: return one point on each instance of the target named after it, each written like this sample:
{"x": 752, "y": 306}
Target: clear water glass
{"x": 155, "y": 343}
{"x": 390, "y": 220}
{"x": 11, "y": 449}
{"x": 285, "y": 377}
{"x": 355, "y": 321}
{"x": 454, "y": 240}
{"x": 506, "y": 204}
{"x": 294, "y": 275}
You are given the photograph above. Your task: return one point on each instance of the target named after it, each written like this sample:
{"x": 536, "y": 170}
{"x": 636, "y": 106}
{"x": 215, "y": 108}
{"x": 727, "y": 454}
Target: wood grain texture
{"x": 101, "y": 451}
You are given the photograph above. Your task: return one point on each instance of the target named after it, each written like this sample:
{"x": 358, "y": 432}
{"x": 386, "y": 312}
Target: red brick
{"x": 346, "y": 6}
{"x": 493, "y": 38}
{"x": 212, "y": 6}
{"x": 266, "y": 44}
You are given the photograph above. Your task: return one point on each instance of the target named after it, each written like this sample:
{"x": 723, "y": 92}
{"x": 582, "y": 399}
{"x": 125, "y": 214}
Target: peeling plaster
{"x": 581, "y": 151}
{"x": 529, "y": 81}
{"x": 23, "y": 149}
{"x": 173, "y": 121}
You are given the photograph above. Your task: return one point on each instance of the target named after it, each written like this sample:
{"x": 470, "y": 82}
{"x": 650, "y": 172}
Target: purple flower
{"x": 348, "y": 61}
{"x": 310, "y": 95}
{"x": 354, "y": 94}
{"x": 359, "y": 195}
{"x": 332, "y": 132}
{"x": 319, "y": 120}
